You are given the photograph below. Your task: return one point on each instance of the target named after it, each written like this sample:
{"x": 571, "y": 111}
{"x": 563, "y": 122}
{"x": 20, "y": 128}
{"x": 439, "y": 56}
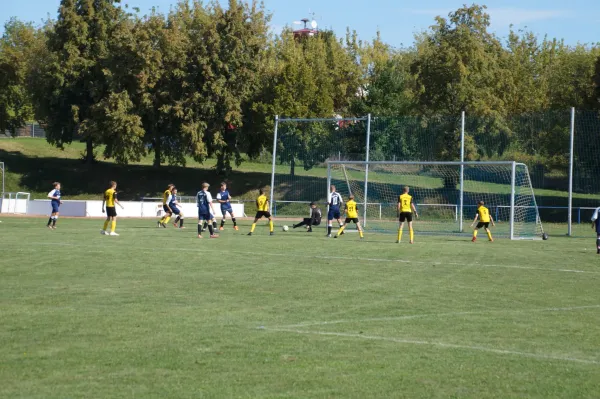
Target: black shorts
{"x": 111, "y": 211}
{"x": 405, "y": 217}
{"x": 483, "y": 224}
{"x": 348, "y": 220}
{"x": 260, "y": 214}
{"x": 166, "y": 209}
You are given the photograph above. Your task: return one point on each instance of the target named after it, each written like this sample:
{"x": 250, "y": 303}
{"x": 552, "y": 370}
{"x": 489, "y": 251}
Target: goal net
{"x": 445, "y": 195}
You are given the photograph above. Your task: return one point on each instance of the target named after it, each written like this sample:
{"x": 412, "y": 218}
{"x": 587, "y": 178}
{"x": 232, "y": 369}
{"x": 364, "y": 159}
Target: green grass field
{"x": 158, "y": 313}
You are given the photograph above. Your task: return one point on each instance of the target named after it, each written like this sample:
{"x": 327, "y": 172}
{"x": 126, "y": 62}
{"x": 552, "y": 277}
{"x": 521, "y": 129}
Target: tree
{"x": 74, "y": 79}
{"x": 460, "y": 66}
{"x": 226, "y": 51}
{"x": 16, "y": 52}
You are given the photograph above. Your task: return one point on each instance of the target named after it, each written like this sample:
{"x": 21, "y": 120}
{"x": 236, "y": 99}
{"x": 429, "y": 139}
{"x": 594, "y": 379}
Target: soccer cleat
{"x": 397, "y": 241}
{"x": 236, "y": 228}
{"x": 411, "y": 242}
{"x": 309, "y": 231}
{"x": 221, "y": 228}
{"x": 112, "y": 233}
{"x": 598, "y": 251}
{"x": 50, "y": 227}
{"x": 336, "y": 236}
{"x": 491, "y": 240}
{"x": 271, "y": 234}
{"x": 214, "y": 236}
{"x": 328, "y": 235}
{"x": 474, "y": 239}
{"x": 175, "y": 224}
{"x": 164, "y": 225}
{"x": 103, "y": 232}
{"x": 249, "y": 234}
{"x": 199, "y": 235}
{"x": 182, "y": 227}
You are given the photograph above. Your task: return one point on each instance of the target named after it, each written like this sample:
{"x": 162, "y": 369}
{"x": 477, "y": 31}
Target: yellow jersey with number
{"x": 109, "y": 197}
{"x": 405, "y": 200}
{"x": 166, "y": 196}
{"x": 484, "y": 214}
{"x": 262, "y": 204}
{"x": 351, "y": 209}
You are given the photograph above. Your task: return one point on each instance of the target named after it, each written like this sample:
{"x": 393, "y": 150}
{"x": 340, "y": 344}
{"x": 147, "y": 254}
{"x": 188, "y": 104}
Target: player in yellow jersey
{"x": 483, "y": 214}
{"x": 166, "y": 202}
{"x": 262, "y": 210}
{"x": 110, "y": 199}
{"x": 406, "y": 208}
{"x": 351, "y": 211}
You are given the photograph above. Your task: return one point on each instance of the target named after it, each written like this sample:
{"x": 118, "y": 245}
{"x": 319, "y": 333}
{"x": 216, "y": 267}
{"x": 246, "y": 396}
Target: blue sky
{"x": 575, "y": 21}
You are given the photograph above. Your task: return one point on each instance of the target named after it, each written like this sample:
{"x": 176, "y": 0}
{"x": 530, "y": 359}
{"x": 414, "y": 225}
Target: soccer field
{"x": 158, "y": 313}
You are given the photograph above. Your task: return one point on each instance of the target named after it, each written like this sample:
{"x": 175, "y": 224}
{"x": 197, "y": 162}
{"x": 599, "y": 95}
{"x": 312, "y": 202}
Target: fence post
{"x": 512, "y": 200}
{"x": 274, "y": 160}
{"x": 33, "y": 130}
{"x": 367, "y": 167}
{"x": 570, "y": 216}
{"x": 462, "y": 172}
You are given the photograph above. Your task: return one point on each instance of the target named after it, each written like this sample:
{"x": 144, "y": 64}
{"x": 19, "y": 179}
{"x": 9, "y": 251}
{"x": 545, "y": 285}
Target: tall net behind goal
{"x": 505, "y": 187}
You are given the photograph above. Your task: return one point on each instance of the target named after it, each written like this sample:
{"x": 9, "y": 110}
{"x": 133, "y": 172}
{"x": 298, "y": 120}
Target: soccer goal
{"x": 445, "y": 194}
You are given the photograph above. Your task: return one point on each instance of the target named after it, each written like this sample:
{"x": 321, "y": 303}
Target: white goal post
{"x": 445, "y": 194}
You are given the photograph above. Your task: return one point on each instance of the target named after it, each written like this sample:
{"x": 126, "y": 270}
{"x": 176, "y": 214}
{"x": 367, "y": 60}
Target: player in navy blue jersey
{"x": 335, "y": 202}
{"x": 224, "y": 198}
{"x": 174, "y": 205}
{"x": 55, "y": 202}
{"x": 205, "y": 206}
{"x": 596, "y": 226}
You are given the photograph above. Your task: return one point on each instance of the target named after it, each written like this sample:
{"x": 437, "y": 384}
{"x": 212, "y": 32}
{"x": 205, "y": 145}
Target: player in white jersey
{"x": 596, "y": 226}
{"x": 335, "y": 202}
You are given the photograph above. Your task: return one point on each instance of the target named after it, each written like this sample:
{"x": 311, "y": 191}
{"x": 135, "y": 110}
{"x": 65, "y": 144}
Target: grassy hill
{"x": 32, "y": 165}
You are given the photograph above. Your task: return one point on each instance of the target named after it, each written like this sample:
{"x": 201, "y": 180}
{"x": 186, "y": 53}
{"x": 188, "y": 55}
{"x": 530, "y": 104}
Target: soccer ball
{"x": 285, "y": 228}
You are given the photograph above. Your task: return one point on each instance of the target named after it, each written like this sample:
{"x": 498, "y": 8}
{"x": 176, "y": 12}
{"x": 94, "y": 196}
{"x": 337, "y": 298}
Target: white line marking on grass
{"x": 291, "y": 254}
{"x": 540, "y": 356}
{"x": 449, "y": 314}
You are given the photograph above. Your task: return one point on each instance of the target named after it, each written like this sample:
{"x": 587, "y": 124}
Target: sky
{"x": 577, "y": 21}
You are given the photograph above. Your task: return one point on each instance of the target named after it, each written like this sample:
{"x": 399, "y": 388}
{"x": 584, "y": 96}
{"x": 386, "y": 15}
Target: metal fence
{"x": 29, "y": 130}
{"x": 561, "y": 149}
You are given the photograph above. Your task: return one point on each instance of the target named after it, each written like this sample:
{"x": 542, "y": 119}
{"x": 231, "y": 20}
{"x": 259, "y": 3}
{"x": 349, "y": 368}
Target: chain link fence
{"x": 29, "y": 130}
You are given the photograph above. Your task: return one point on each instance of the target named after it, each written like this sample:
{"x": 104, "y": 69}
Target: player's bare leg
{"x": 411, "y": 233}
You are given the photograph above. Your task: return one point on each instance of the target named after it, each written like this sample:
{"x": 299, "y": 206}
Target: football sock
{"x": 598, "y": 242}
{"x": 205, "y": 225}
{"x": 54, "y": 220}
{"x": 181, "y": 222}
{"x": 167, "y": 219}
{"x": 252, "y": 228}
{"x": 210, "y": 229}
{"x": 474, "y": 233}
{"x": 329, "y": 227}
{"x": 162, "y": 220}
{"x": 399, "y": 234}
{"x": 234, "y": 222}
{"x": 199, "y": 229}
{"x": 49, "y": 221}
{"x": 113, "y": 226}
{"x": 411, "y": 233}
{"x": 341, "y": 230}
{"x": 271, "y": 226}
{"x": 222, "y": 222}
{"x": 214, "y": 224}
{"x": 360, "y": 233}
{"x": 105, "y": 225}
{"x": 177, "y": 219}
{"x": 489, "y": 234}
